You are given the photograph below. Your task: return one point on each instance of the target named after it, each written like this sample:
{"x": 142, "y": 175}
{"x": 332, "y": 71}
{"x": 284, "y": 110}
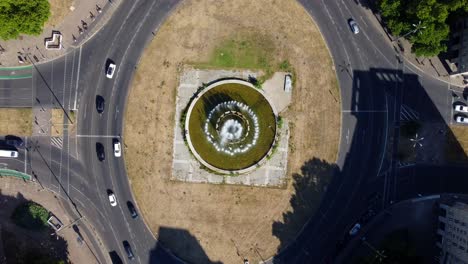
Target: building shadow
{"x": 368, "y": 176}
{"x": 181, "y": 247}
{"x": 20, "y": 245}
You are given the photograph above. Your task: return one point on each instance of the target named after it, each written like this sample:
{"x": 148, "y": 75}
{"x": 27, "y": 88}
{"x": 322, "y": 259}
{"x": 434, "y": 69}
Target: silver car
{"x": 353, "y": 25}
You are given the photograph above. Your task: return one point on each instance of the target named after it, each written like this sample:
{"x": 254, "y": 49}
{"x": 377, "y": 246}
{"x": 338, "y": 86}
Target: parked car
{"x": 110, "y": 70}
{"x": 128, "y": 250}
{"x": 131, "y": 208}
{"x": 353, "y": 25}
{"x": 117, "y": 148}
{"x": 355, "y": 229}
{"x": 100, "y": 151}
{"x": 112, "y": 199}
{"x": 461, "y": 108}
{"x": 14, "y": 141}
{"x": 100, "y": 104}
{"x": 462, "y": 119}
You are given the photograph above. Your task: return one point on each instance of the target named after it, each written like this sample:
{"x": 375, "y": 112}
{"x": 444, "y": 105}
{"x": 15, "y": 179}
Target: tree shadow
{"x": 181, "y": 244}
{"x": 368, "y": 176}
{"x": 20, "y": 245}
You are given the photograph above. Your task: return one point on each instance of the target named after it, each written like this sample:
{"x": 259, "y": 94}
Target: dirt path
{"x": 202, "y": 222}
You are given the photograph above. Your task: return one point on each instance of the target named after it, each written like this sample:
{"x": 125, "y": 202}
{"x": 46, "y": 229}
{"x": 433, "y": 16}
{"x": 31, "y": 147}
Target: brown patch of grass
{"x": 58, "y": 11}
{"x": 226, "y": 220}
{"x": 58, "y": 123}
{"x": 16, "y": 121}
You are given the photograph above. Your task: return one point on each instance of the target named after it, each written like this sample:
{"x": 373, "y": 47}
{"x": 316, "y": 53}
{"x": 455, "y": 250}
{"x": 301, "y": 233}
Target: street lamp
{"x": 417, "y": 27}
{"x": 417, "y": 141}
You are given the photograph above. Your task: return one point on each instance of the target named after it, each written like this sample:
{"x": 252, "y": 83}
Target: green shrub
{"x": 30, "y": 215}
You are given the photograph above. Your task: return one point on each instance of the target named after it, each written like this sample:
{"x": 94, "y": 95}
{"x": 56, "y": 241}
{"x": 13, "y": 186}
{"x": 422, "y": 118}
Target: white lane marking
{"x": 347, "y": 137}
{"x": 77, "y": 77}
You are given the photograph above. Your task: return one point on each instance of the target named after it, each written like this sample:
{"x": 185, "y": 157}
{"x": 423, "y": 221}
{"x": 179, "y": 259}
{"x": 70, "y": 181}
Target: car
{"x": 461, "y": 108}
{"x": 128, "y": 250}
{"x": 353, "y": 25}
{"x": 462, "y": 119}
{"x": 14, "y": 141}
{"x": 355, "y": 229}
{"x": 110, "y": 70}
{"x": 132, "y": 209}
{"x": 100, "y": 151}
{"x": 112, "y": 199}
{"x": 100, "y": 102}
{"x": 117, "y": 148}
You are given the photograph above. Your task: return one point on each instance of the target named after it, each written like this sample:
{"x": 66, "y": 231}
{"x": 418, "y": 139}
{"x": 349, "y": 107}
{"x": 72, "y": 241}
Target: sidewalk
{"x": 431, "y": 66}
{"x": 90, "y": 14}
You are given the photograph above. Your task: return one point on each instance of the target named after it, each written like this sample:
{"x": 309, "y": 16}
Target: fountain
{"x": 230, "y": 127}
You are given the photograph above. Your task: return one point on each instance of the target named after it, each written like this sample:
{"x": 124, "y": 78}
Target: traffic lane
{"x": 16, "y": 93}
{"x": 115, "y": 232}
{"x": 431, "y": 179}
{"x": 145, "y": 242}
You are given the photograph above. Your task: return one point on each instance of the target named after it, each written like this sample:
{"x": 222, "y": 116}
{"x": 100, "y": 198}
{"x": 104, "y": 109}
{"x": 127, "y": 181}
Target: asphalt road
{"x": 374, "y": 92}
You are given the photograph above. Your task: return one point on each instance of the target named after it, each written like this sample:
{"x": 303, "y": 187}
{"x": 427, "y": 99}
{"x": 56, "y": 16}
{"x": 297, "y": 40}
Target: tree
{"x": 431, "y": 39}
{"x": 22, "y": 17}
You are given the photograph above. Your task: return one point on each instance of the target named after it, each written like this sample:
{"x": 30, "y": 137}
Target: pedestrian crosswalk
{"x": 408, "y": 114}
{"x": 57, "y": 142}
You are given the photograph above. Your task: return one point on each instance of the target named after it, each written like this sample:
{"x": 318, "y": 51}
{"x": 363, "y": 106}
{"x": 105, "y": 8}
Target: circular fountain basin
{"x": 230, "y": 127}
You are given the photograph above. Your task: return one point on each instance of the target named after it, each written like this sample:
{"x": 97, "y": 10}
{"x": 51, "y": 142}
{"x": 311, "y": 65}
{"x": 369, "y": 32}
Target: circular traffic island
{"x": 230, "y": 127}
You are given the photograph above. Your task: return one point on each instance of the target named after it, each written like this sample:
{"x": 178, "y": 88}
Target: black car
{"x": 128, "y": 250}
{"x": 99, "y": 104}
{"x": 14, "y": 141}
{"x": 132, "y": 209}
{"x": 100, "y": 151}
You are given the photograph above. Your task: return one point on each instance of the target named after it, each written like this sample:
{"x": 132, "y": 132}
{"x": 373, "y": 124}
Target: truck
{"x": 8, "y": 153}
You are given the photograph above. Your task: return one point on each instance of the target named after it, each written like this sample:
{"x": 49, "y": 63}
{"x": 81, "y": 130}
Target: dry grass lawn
{"x": 16, "y": 121}
{"x": 228, "y": 222}
{"x": 58, "y": 124}
{"x": 58, "y": 10}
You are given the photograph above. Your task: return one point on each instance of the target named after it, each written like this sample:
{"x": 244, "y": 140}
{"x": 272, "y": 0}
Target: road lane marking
{"x": 77, "y": 78}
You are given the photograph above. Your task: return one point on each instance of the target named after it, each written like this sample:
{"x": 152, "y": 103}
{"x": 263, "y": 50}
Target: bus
{"x": 9, "y": 153}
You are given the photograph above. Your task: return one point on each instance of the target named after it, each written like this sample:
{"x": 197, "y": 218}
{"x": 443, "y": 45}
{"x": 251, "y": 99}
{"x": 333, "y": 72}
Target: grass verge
{"x": 16, "y": 121}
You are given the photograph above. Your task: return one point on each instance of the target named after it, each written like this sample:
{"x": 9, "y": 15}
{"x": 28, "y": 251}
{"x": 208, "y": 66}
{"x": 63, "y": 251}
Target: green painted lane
{"x": 14, "y": 77}
{"x": 13, "y": 173}
{"x": 16, "y": 68}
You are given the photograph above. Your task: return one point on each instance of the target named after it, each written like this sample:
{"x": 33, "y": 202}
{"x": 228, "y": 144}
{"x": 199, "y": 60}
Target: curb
{"x": 13, "y": 173}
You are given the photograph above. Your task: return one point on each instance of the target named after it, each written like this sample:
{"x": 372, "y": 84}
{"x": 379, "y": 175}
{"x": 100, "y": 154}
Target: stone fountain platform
{"x": 186, "y": 168}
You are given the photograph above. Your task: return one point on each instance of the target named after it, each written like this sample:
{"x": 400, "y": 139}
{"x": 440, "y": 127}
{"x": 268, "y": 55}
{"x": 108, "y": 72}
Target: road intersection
{"x": 374, "y": 83}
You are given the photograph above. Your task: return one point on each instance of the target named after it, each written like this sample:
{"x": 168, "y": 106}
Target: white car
{"x": 353, "y": 25}
{"x": 117, "y": 149}
{"x": 355, "y": 229}
{"x": 461, "y": 108}
{"x": 110, "y": 70}
{"x": 112, "y": 199}
{"x": 462, "y": 119}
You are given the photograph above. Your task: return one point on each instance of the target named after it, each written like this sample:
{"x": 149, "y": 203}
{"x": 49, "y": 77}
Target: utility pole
{"x": 52, "y": 92}
{"x": 417, "y": 28}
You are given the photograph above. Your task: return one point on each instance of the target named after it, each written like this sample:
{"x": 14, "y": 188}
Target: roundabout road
{"x": 371, "y": 82}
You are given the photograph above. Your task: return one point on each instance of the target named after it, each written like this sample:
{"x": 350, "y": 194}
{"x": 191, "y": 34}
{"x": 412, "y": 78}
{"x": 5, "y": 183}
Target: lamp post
{"x": 417, "y": 27}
